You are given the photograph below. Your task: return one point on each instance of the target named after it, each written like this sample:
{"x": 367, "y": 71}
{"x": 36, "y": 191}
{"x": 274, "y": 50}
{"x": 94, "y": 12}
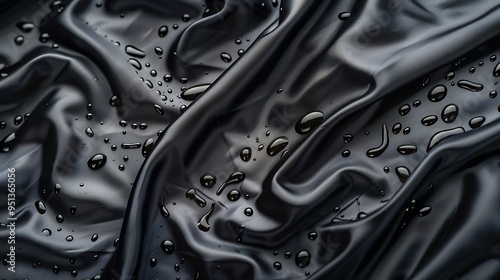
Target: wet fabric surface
{"x": 250, "y": 139}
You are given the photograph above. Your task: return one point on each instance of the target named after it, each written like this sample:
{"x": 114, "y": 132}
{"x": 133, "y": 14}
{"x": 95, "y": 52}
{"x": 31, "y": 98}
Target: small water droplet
{"x": 277, "y": 145}
{"x": 44, "y": 38}
{"x": 57, "y": 188}
{"x": 134, "y": 62}
{"x": 89, "y": 132}
{"x": 114, "y": 101}
{"x": 40, "y": 207}
{"x": 225, "y": 57}
{"x": 135, "y": 52}
{"x": 158, "y": 51}
{"x": 344, "y": 15}
{"x": 429, "y": 120}
{"x": 233, "y": 195}
{"x": 424, "y": 211}
{"x": 417, "y": 103}
{"x": 312, "y": 235}
{"x": 186, "y": 17}
{"x": 449, "y": 113}
{"x": 450, "y": 76}
{"x": 46, "y": 232}
{"x": 476, "y": 122}
{"x": 472, "y": 70}
{"x": 493, "y": 94}
{"x": 437, "y": 93}
{"x": 97, "y": 161}
{"x": 346, "y": 153}
{"x": 152, "y": 262}
{"x": 348, "y": 138}
{"x": 425, "y": 81}
{"x": 277, "y": 265}
{"x": 208, "y": 180}
{"x": 94, "y": 238}
{"x": 7, "y": 142}
{"x": 471, "y": 86}
{"x": 168, "y": 246}
{"x": 303, "y": 258}
{"x": 147, "y": 147}
{"x": 18, "y": 120}
{"x": 396, "y": 128}
{"x": 72, "y": 210}
{"x": 309, "y": 122}
{"x": 248, "y": 211}
{"x": 19, "y": 40}
{"x": 406, "y": 131}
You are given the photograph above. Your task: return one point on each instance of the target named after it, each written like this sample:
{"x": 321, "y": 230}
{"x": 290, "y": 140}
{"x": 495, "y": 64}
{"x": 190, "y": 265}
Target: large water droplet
{"x": 146, "y": 148}
{"x": 404, "y": 110}
{"x": 309, "y": 122}
{"x": 7, "y": 142}
{"x": 191, "y": 194}
{"x": 193, "y": 92}
{"x": 476, "y": 122}
{"x": 439, "y": 136}
{"x": 303, "y": 258}
{"x": 375, "y": 152}
{"x": 203, "y": 222}
{"x": 235, "y": 177}
{"x": 277, "y": 145}
{"x": 162, "y": 32}
{"x": 450, "y": 113}
{"x": 407, "y": 149}
{"x": 40, "y": 207}
{"x": 429, "y": 120}
{"x": 208, "y": 180}
{"x": 97, "y": 161}
{"x": 437, "y": 93}
{"x": 471, "y": 86}
{"x": 246, "y": 154}
{"x": 135, "y": 52}
{"x": 403, "y": 173}
{"x": 168, "y": 246}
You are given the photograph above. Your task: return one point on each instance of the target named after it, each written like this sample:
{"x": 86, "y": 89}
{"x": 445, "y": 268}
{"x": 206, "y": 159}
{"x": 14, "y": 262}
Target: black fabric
{"x": 245, "y": 139}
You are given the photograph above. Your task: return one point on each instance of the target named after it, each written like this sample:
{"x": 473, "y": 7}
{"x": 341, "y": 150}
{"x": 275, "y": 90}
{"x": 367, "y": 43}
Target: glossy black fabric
{"x": 398, "y": 88}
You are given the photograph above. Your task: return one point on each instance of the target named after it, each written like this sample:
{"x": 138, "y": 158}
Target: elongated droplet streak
{"x": 7, "y": 142}
{"x": 403, "y": 173}
{"x": 193, "y": 92}
{"x": 146, "y": 148}
{"x": 438, "y": 137}
{"x": 407, "y": 149}
{"x": 277, "y": 145}
{"x": 131, "y": 145}
{"x": 163, "y": 209}
{"x": 496, "y": 71}
{"x": 234, "y": 178}
{"x": 192, "y": 195}
{"x": 133, "y": 51}
{"x": 203, "y": 222}
{"x": 471, "y": 86}
{"x": 375, "y": 152}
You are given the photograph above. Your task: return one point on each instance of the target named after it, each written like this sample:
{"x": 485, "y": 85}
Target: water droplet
{"x": 163, "y": 210}
{"x": 203, "y": 222}
{"x": 429, "y": 120}
{"x": 131, "y": 145}
{"x": 97, "y": 161}
{"x": 346, "y": 153}
{"x": 19, "y": 40}
{"x": 493, "y": 94}
{"x": 135, "y": 52}
{"x": 437, "y": 93}
{"x": 277, "y": 145}
{"x": 472, "y": 70}
{"x": 191, "y": 194}
{"x": 450, "y": 113}
{"x": 277, "y": 265}
{"x": 471, "y": 86}
{"x": 407, "y": 149}
{"x": 114, "y": 101}
{"x": 344, "y": 15}
{"x": 18, "y": 120}
{"x": 312, "y": 235}
{"x": 134, "y": 62}
{"x": 406, "y": 131}
{"x": 193, "y": 92}
{"x": 386, "y": 169}
{"x": 496, "y": 71}
{"x": 303, "y": 258}
{"x": 404, "y": 110}
{"x": 168, "y": 246}
{"x": 57, "y": 188}
{"x": 288, "y": 254}
{"x": 396, "y": 128}
{"x": 44, "y": 38}
{"x": 246, "y": 154}
{"x": 7, "y": 142}
{"x": 46, "y": 232}
{"x": 493, "y": 58}
{"x": 233, "y": 195}
{"x": 450, "y": 76}
{"x": 348, "y": 138}
{"x": 439, "y": 136}
{"x": 425, "y": 81}
{"x": 234, "y": 178}
{"x": 89, "y": 132}
{"x": 121, "y": 167}
{"x": 248, "y": 211}
{"x": 72, "y": 210}
{"x": 40, "y": 207}
{"x": 225, "y": 57}
{"x": 113, "y": 147}
{"x": 208, "y": 180}
{"x": 375, "y": 152}
{"x": 424, "y": 211}
{"x": 403, "y": 173}
{"x": 152, "y": 262}
{"x": 148, "y": 145}
{"x": 94, "y": 238}
{"x": 417, "y": 103}
{"x": 158, "y": 51}
{"x": 476, "y": 122}
{"x": 260, "y": 147}
{"x": 162, "y": 32}
{"x": 186, "y": 17}
{"x": 309, "y": 122}
{"x": 3, "y": 124}
{"x": 59, "y": 218}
